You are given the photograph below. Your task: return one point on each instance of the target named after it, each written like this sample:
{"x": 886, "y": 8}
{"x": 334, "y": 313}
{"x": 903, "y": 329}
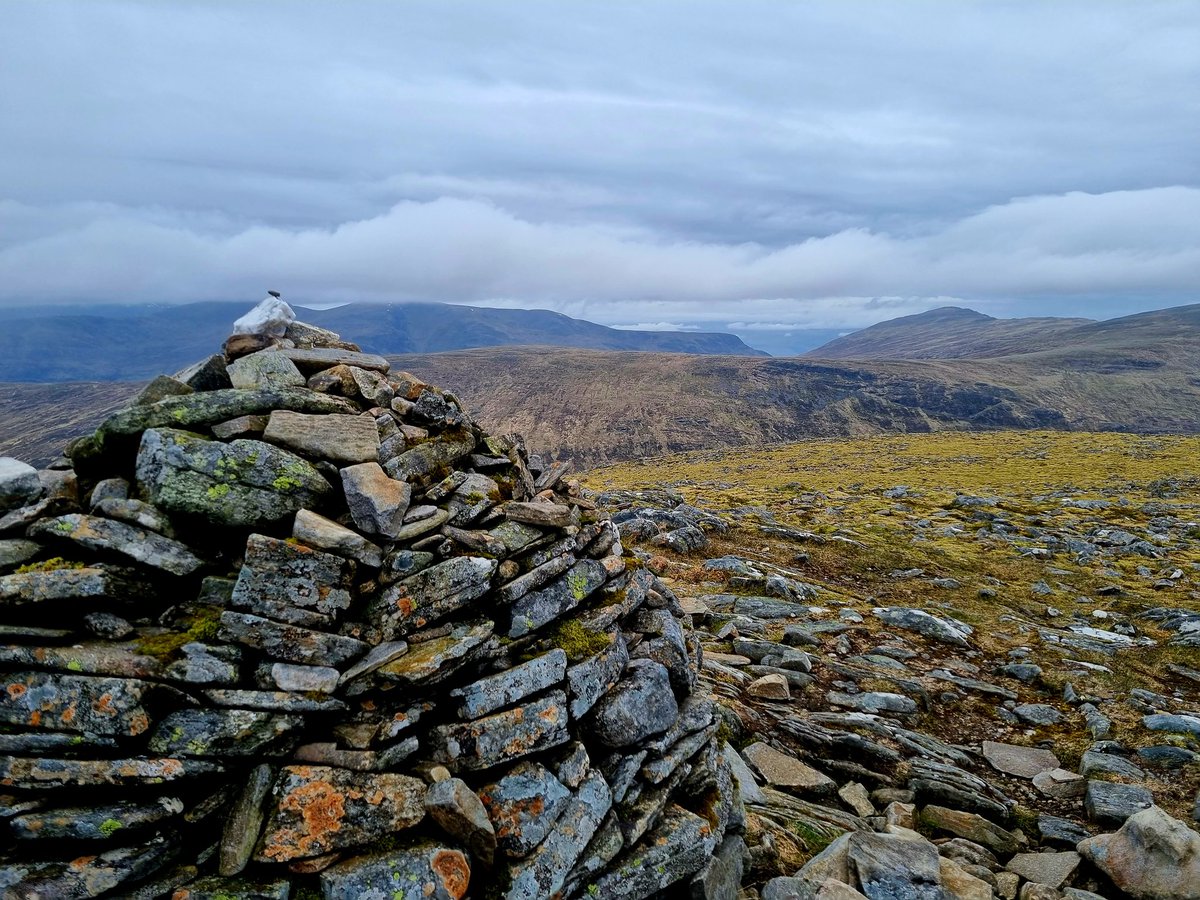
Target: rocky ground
{"x": 951, "y": 666}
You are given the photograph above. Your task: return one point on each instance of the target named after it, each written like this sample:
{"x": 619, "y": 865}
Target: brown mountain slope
{"x": 599, "y": 405}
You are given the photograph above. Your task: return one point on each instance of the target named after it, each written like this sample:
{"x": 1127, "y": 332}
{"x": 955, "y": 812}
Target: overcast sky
{"x": 766, "y": 165}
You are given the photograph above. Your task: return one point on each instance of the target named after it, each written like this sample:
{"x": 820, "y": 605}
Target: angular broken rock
{"x": 1151, "y": 856}
{"x": 503, "y": 736}
{"x": 19, "y": 484}
{"x": 421, "y": 871}
{"x": 265, "y": 369}
{"x": 640, "y": 706}
{"x": 278, "y": 574}
{"x": 523, "y": 806}
{"x": 377, "y": 503}
{"x": 321, "y": 533}
{"x": 505, "y": 688}
{"x": 339, "y": 438}
{"x": 136, "y": 544}
{"x": 459, "y": 812}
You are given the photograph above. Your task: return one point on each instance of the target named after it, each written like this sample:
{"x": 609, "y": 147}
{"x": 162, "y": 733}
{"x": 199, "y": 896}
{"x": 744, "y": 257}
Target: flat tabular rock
{"x": 972, "y": 827}
{"x": 48, "y": 774}
{"x": 1060, "y": 783}
{"x": 1023, "y": 762}
{"x": 523, "y": 806}
{"x": 1177, "y": 724}
{"x": 317, "y": 809}
{"x": 106, "y": 706}
{"x": 504, "y": 736}
{"x": 425, "y": 460}
{"x": 290, "y": 642}
{"x": 340, "y": 438}
{"x": 106, "y": 536}
{"x": 1152, "y": 856}
{"x": 438, "y": 656}
{"x": 497, "y": 691}
{"x": 1111, "y": 804}
{"x": 641, "y": 705}
{"x": 90, "y": 875}
{"x": 873, "y": 702}
{"x": 19, "y": 484}
{"x": 1050, "y": 869}
{"x": 92, "y": 823}
{"x": 89, "y": 583}
{"x": 423, "y": 871}
{"x": 212, "y": 406}
{"x": 221, "y": 733}
{"x": 781, "y": 770}
{"x": 1038, "y": 714}
{"x": 588, "y": 680}
{"x": 923, "y": 623}
{"x": 1094, "y": 763}
{"x": 317, "y": 359}
{"x": 377, "y": 503}
{"x": 243, "y": 484}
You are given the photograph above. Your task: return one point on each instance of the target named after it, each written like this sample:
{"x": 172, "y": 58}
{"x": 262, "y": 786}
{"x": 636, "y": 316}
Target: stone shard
{"x": 290, "y": 642}
{"x": 505, "y": 688}
{"x": 243, "y": 484}
{"x": 279, "y": 574}
{"x": 317, "y": 809}
{"x": 538, "y": 608}
{"x": 431, "y": 594}
{"x": 460, "y": 813}
{"x": 245, "y": 821}
{"x": 377, "y": 503}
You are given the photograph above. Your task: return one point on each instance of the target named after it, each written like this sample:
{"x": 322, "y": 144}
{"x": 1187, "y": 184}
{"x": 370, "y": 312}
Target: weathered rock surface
{"x": 1150, "y": 856}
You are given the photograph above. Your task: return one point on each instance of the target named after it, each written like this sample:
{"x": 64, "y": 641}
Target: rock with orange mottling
{"x": 93, "y": 658}
{"x": 223, "y": 732}
{"x": 87, "y": 875}
{"x": 317, "y": 809}
{"x": 431, "y": 594}
{"x": 589, "y": 679}
{"x": 217, "y": 888}
{"x": 422, "y": 871}
{"x": 505, "y": 736}
{"x": 290, "y": 643}
{"x": 678, "y": 847}
{"x": 78, "y": 703}
{"x": 278, "y": 573}
{"x": 523, "y": 806}
{"x": 544, "y": 872}
{"x": 131, "y": 541}
{"x": 43, "y": 773}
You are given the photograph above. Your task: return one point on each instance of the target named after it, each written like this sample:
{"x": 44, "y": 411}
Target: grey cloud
{"x": 822, "y": 163}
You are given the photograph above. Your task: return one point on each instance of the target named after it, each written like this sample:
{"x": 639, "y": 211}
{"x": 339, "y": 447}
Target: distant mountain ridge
{"x": 949, "y": 332}
{"x": 129, "y": 343}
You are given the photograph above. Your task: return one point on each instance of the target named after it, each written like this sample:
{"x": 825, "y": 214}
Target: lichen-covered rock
{"x": 538, "y": 608}
{"x": 222, "y": 733}
{"x": 243, "y": 484}
{"x": 107, "y": 706}
{"x": 340, "y": 438}
{"x": 460, "y": 813}
{"x": 425, "y": 871}
{"x": 523, "y": 807}
{"x": 278, "y": 573}
{"x": 496, "y": 691}
{"x": 504, "y": 736}
{"x": 264, "y": 369}
{"x": 317, "y": 809}
{"x": 119, "y": 538}
{"x": 1151, "y": 856}
{"x": 432, "y": 594}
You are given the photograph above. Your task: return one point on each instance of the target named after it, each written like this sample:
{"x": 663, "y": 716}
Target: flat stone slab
{"x": 43, "y": 773}
{"x": 76, "y": 703}
{"x": 1111, "y": 804}
{"x": 107, "y": 536}
{"x": 265, "y": 369}
{"x": 505, "y": 688}
{"x": 782, "y": 770}
{"x": 431, "y": 594}
{"x": 290, "y": 643}
{"x": 503, "y": 736}
{"x": 320, "y": 358}
{"x": 1023, "y": 762}
{"x": 437, "y": 657}
{"x": 88, "y": 583}
{"x": 1050, "y": 869}
{"x": 339, "y": 438}
{"x": 318, "y": 809}
{"x": 221, "y": 733}
{"x": 538, "y": 608}
{"x": 277, "y": 574}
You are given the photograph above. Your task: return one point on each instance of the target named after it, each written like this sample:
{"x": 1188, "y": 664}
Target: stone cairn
{"x": 291, "y": 625}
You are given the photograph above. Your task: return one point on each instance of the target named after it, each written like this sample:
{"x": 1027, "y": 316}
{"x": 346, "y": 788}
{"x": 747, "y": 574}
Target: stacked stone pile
{"x": 291, "y": 625}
